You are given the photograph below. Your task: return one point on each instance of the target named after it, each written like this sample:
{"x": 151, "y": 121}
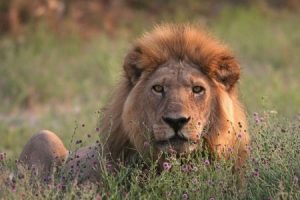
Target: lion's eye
{"x": 158, "y": 88}
{"x": 198, "y": 90}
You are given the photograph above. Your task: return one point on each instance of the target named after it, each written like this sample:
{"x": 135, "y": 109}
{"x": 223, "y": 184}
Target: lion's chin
{"x": 176, "y": 145}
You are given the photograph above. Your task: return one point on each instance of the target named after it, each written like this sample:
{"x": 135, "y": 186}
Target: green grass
{"x": 47, "y": 82}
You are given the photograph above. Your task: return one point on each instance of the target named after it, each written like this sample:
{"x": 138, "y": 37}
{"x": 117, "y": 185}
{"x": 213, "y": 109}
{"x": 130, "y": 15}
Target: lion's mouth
{"x": 175, "y": 141}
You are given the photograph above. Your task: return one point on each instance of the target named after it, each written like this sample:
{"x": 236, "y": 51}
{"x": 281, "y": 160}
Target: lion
{"x": 179, "y": 88}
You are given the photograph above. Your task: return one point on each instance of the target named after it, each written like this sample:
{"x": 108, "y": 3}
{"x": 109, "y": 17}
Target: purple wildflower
{"x": 167, "y": 166}
{"x": 185, "y": 196}
{"x": 206, "y": 162}
{"x": 2, "y": 156}
{"x": 257, "y": 118}
{"x": 256, "y": 173}
{"x": 146, "y": 144}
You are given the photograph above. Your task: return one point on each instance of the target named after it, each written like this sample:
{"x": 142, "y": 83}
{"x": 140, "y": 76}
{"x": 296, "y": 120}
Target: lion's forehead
{"x": 181, "y": 72}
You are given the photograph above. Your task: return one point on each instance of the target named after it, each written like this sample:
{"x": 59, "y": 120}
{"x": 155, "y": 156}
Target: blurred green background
{"x": 60, "y": 59}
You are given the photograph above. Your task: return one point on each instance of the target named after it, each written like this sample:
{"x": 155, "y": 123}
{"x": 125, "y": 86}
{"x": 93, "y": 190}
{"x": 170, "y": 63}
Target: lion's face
{"x": 176, "y": 102}
{"x": 178, "y": 105}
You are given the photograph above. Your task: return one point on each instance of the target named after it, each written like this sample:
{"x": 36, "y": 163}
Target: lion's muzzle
{"x": 176, "y": 123}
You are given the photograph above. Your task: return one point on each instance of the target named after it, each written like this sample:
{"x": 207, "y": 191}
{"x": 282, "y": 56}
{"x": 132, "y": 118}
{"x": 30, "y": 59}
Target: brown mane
{"x": 211, "y": 57}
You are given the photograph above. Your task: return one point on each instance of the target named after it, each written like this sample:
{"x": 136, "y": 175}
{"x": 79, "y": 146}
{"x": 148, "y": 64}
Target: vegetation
{"x": 61, "y": 83}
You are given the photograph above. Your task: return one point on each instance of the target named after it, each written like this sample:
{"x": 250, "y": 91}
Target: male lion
{"x": 179, "y": 86}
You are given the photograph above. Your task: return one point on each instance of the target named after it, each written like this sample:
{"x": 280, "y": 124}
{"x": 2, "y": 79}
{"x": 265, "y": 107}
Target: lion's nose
{"x": 176, "y": 123}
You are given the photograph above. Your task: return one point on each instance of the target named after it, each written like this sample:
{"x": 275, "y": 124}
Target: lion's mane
{"x": 227, "y": 128}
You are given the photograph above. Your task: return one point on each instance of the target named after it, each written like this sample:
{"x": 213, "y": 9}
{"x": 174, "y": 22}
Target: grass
{"x": 272, "y": 173}
{"x": 61, "y": 84}
{"x": 267, "y": 48}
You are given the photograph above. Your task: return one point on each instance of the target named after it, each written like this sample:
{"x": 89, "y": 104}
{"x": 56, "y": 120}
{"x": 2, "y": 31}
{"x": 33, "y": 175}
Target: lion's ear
{"x": 132, "y": 66}
{"x": 227, "y": 71}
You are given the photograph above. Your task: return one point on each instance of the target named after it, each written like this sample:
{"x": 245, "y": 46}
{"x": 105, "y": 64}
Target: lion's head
{"x": 174, "y": 106}
{"x": 178, "y": 87}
